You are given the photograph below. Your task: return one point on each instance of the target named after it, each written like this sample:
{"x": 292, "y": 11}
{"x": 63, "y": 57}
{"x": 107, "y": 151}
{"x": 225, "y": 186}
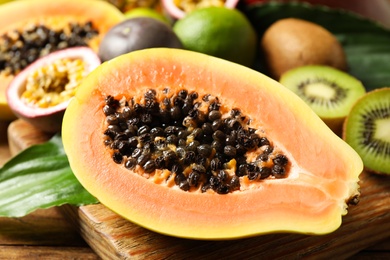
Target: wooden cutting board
{"x": 113, "y": 237}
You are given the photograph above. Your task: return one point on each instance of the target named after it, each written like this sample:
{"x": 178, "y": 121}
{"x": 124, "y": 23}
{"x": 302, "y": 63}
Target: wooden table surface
{"x": 47, "y": 234}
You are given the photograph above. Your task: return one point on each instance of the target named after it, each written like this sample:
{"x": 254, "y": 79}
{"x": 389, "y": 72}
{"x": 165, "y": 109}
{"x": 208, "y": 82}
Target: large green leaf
{"x": 366, "y": 43}
{"x": 39, "y": 177}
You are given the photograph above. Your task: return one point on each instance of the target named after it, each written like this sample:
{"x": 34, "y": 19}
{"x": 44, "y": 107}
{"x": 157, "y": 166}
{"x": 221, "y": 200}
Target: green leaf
{"x": 366, "y": 43}
{"x": 39, "y": 177}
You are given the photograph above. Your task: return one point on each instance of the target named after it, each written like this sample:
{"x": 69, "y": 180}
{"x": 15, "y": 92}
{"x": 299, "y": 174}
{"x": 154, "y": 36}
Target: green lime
{"x": 146, "y": 12}
{"x": 219, "y": 31}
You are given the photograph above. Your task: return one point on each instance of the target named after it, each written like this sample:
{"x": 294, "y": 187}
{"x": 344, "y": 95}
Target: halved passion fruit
{"x": 41, "y": 92}
{"x": 178, "y": 9}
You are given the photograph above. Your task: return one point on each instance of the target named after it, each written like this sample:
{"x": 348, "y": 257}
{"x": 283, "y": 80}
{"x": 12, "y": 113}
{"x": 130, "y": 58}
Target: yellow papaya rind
{"x": 15, "y": 14}
{"x": 323, "y": 175}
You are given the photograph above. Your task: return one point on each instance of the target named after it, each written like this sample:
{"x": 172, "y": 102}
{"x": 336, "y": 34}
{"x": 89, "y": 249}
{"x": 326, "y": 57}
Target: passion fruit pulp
{"x": 40, "y": 93}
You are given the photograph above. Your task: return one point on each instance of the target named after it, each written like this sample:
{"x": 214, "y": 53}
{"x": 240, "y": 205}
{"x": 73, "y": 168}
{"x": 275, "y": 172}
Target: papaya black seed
{"x": 230, "y": 140}
{"x": 182, "y": 93}
{"x": 130, "y": 163}
{"x": 262, "y": 157}
{"x": 112, "y": 119}
{"x": 169, "y": 155}
{"x": 127, "y": 112}
{"x": 199, "y": 168}
{"x": 108, "y": 110}
{"x": 265, "y": 172}
{"x": 136, "y": 153}
{"x": 214, "y": 182}
{"x": 193, "y": 95}
{"x": 222, "y": 175}
{"x": 214, "y": 106}
{"x": 207, "y": 129}
{"x": 184, "y": 185}
{"x": 182, "y": 134}
{"x": 205, "y": 150}
{"x": 214, "y": 115}
{"x": 218, "y": 146}
{"x": 218, "y": 135}
{"x": 192, "y": 146}
{"x": 172, "y": 139}
{"x": 278, "y": 171}
{"x": 182, "y": 143}
{"x": 175, "y": 112}
{"x": 215, "y": 164}
{"x": 223, "y": 189}
{"x": 117, "y": 157}
{"x": 181, "y": 152}
{"x": 197, "y": 133}
{"x": 242, "y": 170}
{"x": 179, "y": 178}
{"x": 193, "y": 178}
{"x": 263, "y": 141}
{"x": 121, "y": 136}
{"x": 199, "y": 159}
{"x": 240, "y": 150}
{"x": 157, "y": 131}
{"x": 143, "y": 158}
{"x": 280, "y": 159}
{"x": 230, "y": 151}
{"x": 268, "y": 149}
{"x": 253, "y": 175}
{"x": 235, "y": 183}
{"x": 159, "y": 162}
{"x": 190, "y": 157}
{"x": 149, "y": 166}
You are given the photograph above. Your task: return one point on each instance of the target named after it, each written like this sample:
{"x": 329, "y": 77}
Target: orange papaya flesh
{"x": 56, "y": 15}
{"x": 323, "y": 175}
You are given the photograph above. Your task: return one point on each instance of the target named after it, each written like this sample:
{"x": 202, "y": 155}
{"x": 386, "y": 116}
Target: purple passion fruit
{"x": 137, "y": 34}
{"x": 41, "y": 92}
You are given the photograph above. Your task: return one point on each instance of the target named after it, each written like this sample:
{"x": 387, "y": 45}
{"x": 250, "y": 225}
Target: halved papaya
{"x": 309, "y": 195}
{"x": 47, "y": 17}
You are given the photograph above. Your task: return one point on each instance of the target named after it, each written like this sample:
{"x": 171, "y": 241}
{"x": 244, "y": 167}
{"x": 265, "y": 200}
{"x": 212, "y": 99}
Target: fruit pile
{"x": 179, "y": 100}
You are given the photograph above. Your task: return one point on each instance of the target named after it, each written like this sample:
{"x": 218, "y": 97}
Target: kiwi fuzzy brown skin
{"x": 292, "y": 42}
{"x": 354, "y": 136}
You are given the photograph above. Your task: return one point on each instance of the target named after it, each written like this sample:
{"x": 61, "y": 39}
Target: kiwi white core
{"x": 382, "y": 127}
{"x": 320, "y": 90}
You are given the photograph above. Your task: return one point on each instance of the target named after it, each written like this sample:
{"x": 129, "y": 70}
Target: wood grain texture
{"x": 43, "y": 252}
{"x": 366, "y": 224}
{"x": 22, "y": 135}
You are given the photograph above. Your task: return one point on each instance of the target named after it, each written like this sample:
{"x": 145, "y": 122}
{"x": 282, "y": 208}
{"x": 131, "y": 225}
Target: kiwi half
{"x": 367, "y": 130}
{"x": 328, "y": 91}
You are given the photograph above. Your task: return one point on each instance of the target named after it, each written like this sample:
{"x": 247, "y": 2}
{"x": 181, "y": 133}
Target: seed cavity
{"x": 19, "y": 48}
{"x": 204, "y": 145}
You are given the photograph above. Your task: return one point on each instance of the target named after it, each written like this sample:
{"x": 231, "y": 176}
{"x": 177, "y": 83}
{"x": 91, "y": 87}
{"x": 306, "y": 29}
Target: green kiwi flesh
{"x": 367, "y": 130}
{"x": 330, "y": 92}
